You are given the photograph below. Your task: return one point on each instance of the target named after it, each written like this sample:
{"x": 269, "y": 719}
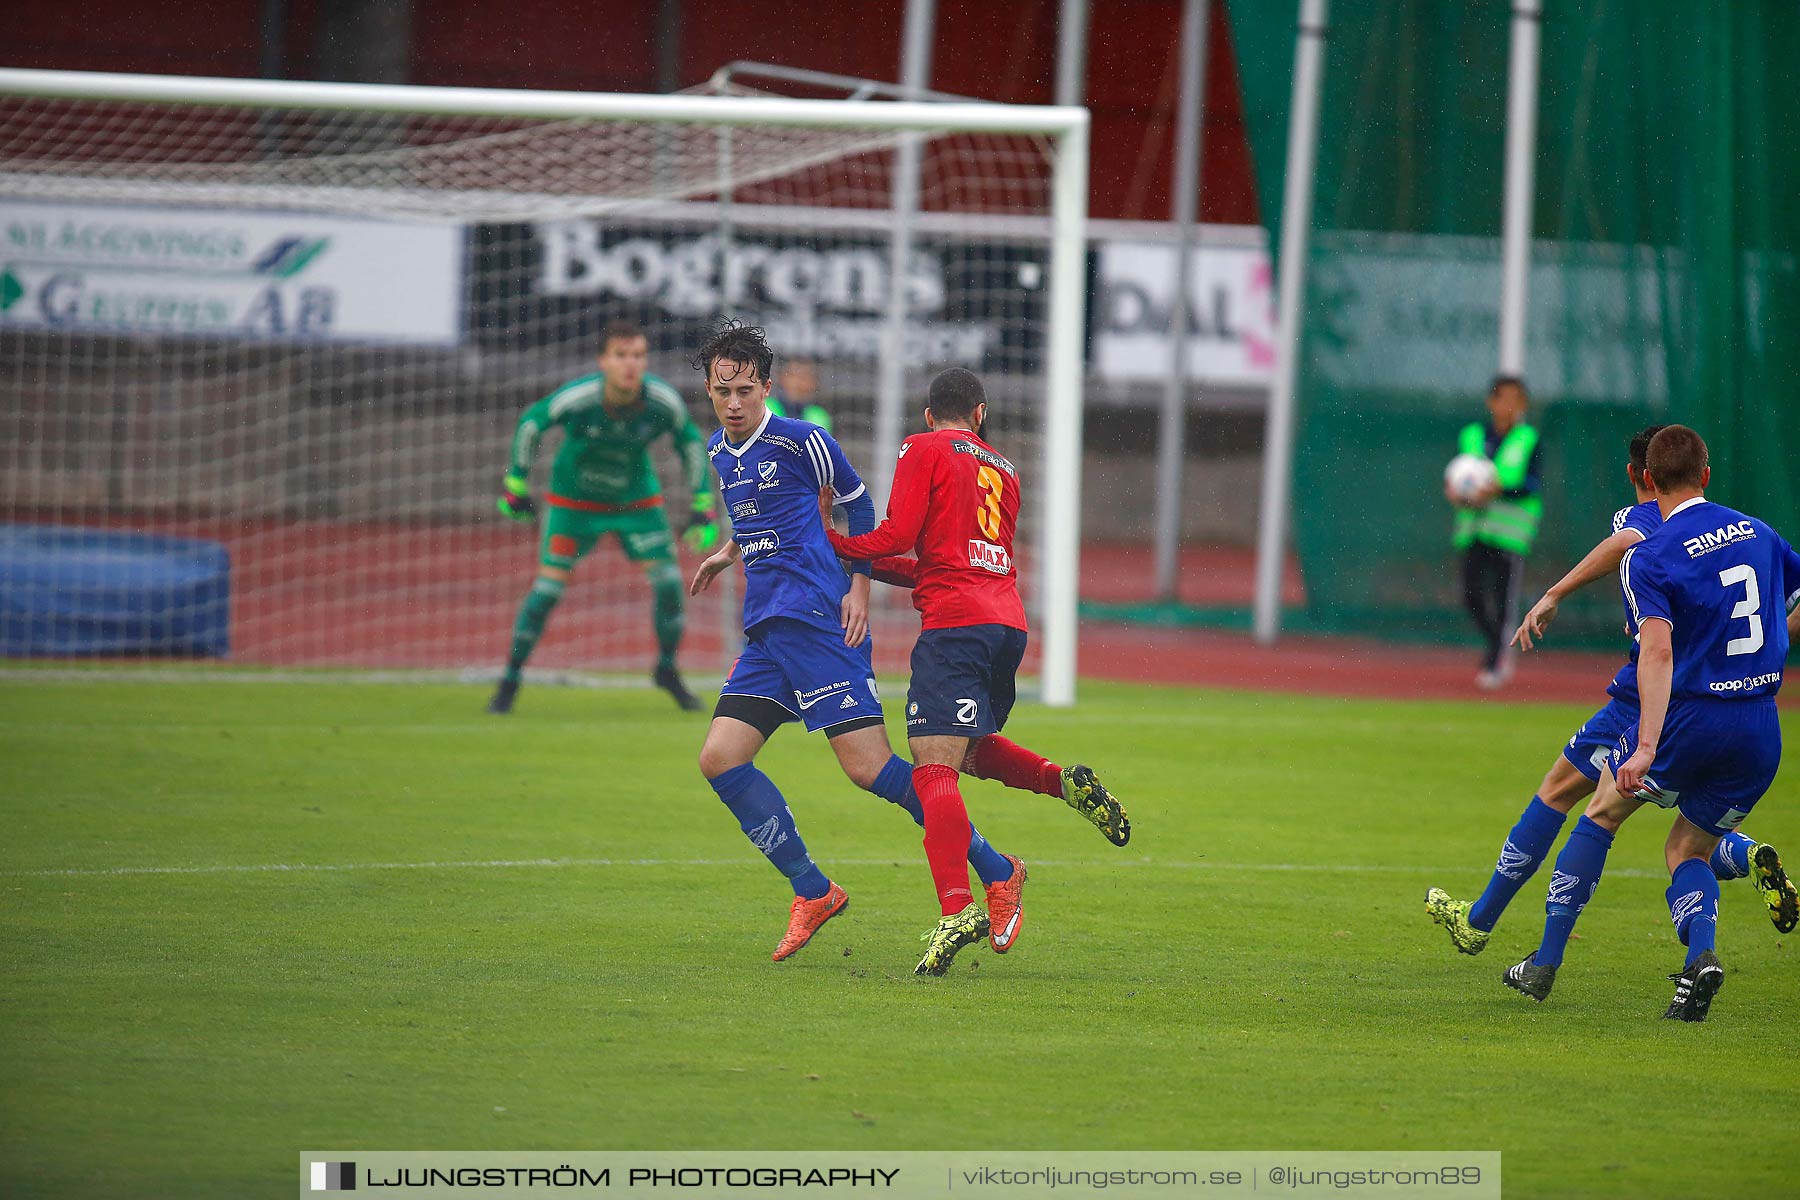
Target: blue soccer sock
{"x": 1694, "y": 907}
{"x": 989, "y": 863}
{"x": 1525, "y": 848}
{"x": 1572, "y": 884}
{"x": 894, "y": 784}
{"x": 1731, "y": 857}
{"x": 764, "y": 817}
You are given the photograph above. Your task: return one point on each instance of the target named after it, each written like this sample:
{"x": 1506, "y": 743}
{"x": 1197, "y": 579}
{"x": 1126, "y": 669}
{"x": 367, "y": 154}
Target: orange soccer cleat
{"x": 1006, "y": 913}
{"x": 806, "y": 917}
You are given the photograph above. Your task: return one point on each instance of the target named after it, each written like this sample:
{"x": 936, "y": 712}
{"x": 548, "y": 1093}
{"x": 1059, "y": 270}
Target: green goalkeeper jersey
{"x": 605, "y": 454}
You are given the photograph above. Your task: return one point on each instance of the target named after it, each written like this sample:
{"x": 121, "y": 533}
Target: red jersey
{"x": 955, "y": 503}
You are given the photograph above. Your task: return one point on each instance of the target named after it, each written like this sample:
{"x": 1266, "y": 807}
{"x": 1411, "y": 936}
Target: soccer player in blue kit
{"x": 1576, "y": 772}
{"x": 1708, "y": 594}
{"x": 807, "y": 653}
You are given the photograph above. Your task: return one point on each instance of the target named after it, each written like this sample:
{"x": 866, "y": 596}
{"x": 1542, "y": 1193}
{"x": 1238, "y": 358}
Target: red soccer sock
{"x": 946, "y": 834}
{"x": 995, "y": 757}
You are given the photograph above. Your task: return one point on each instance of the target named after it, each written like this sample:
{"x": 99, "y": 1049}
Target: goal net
{"x": 263, "y": 346}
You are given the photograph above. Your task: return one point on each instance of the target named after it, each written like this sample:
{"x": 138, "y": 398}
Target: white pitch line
{"x": 525, "y": 863}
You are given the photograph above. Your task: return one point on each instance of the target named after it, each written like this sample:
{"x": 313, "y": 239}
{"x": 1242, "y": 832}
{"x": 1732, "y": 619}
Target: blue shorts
{"x": 1599, "y": 734}
{"x": 1715, "y": 760}
{"x": 963, "y": 680}
{"x": 808, "y": 671}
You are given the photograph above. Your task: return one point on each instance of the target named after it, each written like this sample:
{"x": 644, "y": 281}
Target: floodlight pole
{"x": 1296, "y": 225}
{"x": 1521, "y": 145}
{"x": 890, "y": 392}
{"x": 1071, "y": 52}
{"x": 1171, "y": 442}
{"x": 272, "y": 64}
{"x": 731, "y": 624}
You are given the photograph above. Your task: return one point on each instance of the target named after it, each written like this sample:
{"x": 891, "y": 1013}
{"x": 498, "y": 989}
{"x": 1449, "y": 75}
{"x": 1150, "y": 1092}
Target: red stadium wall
{"x": 996, "y": 49}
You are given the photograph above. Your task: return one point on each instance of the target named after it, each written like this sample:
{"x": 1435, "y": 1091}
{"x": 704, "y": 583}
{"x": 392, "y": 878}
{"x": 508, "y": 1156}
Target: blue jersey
{"x": 771, "y": 486}
{"x": 1720, "y": 579}
{"x": 1646, "y": 518}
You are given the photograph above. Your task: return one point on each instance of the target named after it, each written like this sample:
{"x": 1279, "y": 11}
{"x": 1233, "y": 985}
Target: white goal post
{"x": 332, "y": 181}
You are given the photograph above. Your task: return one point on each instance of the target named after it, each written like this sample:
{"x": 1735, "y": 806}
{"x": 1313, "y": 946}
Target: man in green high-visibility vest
{"x": 1496, "y": 531}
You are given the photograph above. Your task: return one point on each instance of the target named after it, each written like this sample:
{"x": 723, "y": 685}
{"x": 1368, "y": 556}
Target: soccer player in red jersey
{"x": 955, "y": 505}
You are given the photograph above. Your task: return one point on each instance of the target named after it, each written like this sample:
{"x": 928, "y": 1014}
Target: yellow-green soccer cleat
{"x": 1776, "y": 888}
{"x": 1088, "y": 796}
{"x": 1454, "y": 916}
{"x": 952, "y": 934}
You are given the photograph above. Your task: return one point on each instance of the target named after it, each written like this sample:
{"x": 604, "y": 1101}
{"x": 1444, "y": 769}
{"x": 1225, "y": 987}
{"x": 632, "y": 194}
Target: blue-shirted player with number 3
{"x": 1709, "y": 594}
{"x": 1576, "y": 771}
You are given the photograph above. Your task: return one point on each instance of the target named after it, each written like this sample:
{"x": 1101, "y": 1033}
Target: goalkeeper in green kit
{"x": 603, "y": 482}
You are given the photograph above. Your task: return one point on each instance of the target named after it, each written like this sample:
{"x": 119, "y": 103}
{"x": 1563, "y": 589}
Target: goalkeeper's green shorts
{"x": 569, "y": 533}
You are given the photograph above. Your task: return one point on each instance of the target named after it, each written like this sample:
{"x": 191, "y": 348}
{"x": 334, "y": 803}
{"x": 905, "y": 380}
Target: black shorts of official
{"x": 964, "y": 680}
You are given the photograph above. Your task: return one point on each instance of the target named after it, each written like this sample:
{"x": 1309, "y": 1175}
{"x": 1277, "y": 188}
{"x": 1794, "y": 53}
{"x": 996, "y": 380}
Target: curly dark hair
{"x": 735, "y": 342}
{"x": 955, "y": 395}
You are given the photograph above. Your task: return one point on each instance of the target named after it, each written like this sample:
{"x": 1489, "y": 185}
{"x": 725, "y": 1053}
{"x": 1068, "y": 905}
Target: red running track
{"x": 1225, "y": 576}
{"x": 323, "y": 593}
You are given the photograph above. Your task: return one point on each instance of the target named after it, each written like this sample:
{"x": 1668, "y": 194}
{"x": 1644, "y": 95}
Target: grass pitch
{"x": 246, "y": 919}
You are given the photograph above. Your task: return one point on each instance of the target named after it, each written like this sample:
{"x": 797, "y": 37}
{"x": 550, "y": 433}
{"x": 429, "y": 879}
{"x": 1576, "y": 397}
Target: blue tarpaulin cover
{"x": 66, "y": 590}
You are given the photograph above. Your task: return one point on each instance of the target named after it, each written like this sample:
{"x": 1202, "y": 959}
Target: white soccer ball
{"x": 1468, "y": 476}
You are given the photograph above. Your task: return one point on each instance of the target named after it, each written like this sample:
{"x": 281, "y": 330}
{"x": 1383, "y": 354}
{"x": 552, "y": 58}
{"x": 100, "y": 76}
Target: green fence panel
{"x": 1663, "y": 285}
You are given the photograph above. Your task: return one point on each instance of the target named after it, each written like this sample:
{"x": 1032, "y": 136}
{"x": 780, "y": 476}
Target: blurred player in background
{"x": 807, "y": 652}
{"x": 796, "y": 393}
{"x": 955, "y": 503}
{"x": 604, "y": 482}
{"x": 1496, "y": 532}
{"x": 1575, "y": 774}
{"x": 1708, "y": 594}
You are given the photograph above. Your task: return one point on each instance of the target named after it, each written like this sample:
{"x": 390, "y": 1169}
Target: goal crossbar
{"x": 897, "y": 115}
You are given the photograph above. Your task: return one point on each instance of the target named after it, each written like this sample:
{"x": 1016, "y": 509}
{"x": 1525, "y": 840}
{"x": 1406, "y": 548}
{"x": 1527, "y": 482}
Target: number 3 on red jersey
{"x": 987, "y": 502}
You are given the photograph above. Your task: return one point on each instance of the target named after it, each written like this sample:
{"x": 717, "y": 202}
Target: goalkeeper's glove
{"x": 701, "y": 533}
{"x": 515, "y": 501}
